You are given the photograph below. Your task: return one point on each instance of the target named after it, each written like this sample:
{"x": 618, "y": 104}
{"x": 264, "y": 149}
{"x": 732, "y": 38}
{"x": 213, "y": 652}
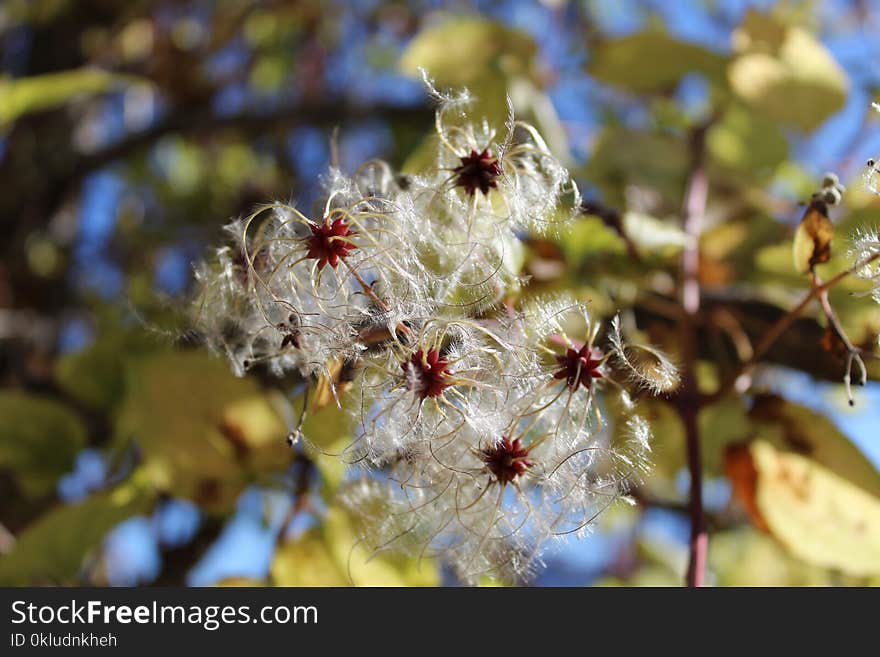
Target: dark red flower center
{"x": 427, "y": 374}
{"x": 506, "y": 460}
{"x": 478, "y": 171}
{"x": 579, "y": 367}
{"x": 330, "y": 242}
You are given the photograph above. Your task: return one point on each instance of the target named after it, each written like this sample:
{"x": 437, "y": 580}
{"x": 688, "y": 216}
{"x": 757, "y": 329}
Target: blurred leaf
{"x": 366, "y": 569}
{"x": 24, "y": 95}
{"x": 646, "y": 576}
{"x": 667, "y": 447}
{"x": 268, "y": 73}
{"x": 747, "y": 144}
{"x": 330, "y": 555}
{"x": 796, "y": 428}
{"x": 817, "y": 515}
{"x": 482, "y": 47}
{"x": 623, "y": 158}
{"x": 661, "y": 563}
{"x": 589, "y": 236}
{"x": 39, "y": 440}
{"x": 652, "y": 234}
{"x": 777, "y": 259}
{"x": 721, "y": 424}
{"x": 745, "y": 557}
{"x": 52, "y": 550}
{"x": 245, "y": 582}
{"x": 786, "y": 73}
{"x": 306, "y": 561}
{"x": 95, "y": 376}
{"x": 328, "y": 431}
{"x": 203, "y": 432}
{"x": 486, "y": 58}
{"x": 423, "y": 157}
{"x": 812, "y": 240}
{"x": 652, "y": 61}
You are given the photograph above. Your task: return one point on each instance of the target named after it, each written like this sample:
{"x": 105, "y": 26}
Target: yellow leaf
{"x": 812, "y": 241}
{"x": 331, "y": 555}
{"x": 373, "y": 569}
{"x": 482, "y": 55}
{"x": 817, "y": 515}
{"x": 796, "y": 428}
{"x": 306, "y": 561}
{"x": 786, "y": 73}
{"x": 203, "y": 432}
{"x": 246, "y": 582}
{"x": 745, "y": 557}
{"x": 481, "y": 47}
{"x": 24, "y": 95}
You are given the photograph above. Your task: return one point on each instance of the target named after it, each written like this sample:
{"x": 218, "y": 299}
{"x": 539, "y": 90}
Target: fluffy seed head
{"x": 411, "y": 338}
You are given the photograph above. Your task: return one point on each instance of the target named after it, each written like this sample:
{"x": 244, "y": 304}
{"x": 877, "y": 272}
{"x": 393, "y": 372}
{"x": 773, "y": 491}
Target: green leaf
{"x": 652, "y": 61}
{"x": 786, "y": 73}
{"x": 327, "y": 432}
{"x": 623, "y": 158}
{"x": 587, "y": 237}
{"x": 463, "y": 52}
{"x": 746, "y": 144}
{"x": 482, "y": 55}
{"x": 24, "y": 95}
{"x": 52, "y": 550}
{"x": 95, "y": 376}
{"x": 721, "y": 424}
{"x": 654, "y": 235}
{"x": 203, "y": 432}
{"x": 39, "y": 440}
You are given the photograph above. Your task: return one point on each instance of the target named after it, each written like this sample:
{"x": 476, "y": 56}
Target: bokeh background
{"x": 131, "y": 131}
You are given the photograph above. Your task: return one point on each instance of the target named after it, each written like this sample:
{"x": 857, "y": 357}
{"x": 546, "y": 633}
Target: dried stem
{"x": 853, "y": 353}
{"x": 818, "y": 290}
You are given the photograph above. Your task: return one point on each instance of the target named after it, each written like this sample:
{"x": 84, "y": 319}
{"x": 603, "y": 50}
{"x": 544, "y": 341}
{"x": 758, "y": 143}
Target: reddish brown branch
{"x": 694, "y": 207}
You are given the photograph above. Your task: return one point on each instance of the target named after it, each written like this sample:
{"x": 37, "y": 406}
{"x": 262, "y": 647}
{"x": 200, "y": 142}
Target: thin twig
{"x": 853, "y": 353}
{"x": 818, "y": 290}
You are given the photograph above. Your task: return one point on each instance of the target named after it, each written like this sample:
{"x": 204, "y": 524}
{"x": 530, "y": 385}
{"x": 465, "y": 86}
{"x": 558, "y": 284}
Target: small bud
{"x": 832, "y": 196}
{"x": 830, "y": 180}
